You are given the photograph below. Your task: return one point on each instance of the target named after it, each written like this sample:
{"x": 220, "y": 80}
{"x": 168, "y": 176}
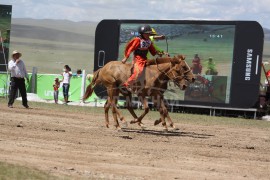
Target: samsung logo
{"x": 248, "y": 64}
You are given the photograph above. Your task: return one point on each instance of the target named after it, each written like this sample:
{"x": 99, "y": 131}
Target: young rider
{"x": 156, "y": 37}
{"x": 139, "y": 46}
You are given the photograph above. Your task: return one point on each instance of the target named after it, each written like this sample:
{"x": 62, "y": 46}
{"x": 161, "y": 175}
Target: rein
{"x": 174, "y": 79}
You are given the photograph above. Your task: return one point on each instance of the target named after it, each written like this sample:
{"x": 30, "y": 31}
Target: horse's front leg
{"x": 166, "y": 115}
{"x": 129, "y": 106}
{"x": 121, "y": 117}
{"x": 170, "y": 120}
{"x": 159, "y": 102}
{"x": 146, "y": 110}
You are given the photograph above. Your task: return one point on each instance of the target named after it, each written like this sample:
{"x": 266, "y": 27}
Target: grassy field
{"x": 50, "y": 44}
{"x": 11, "y": 171}
{"x": 153, "y": 115}
{"x": 50, "y": 57}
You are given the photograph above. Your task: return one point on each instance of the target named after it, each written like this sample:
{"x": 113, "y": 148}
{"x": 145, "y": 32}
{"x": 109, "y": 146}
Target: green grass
{"x": 50, "y": 56}
{"x": 184, "y": 118}
{"x": 50, "y": 44}
{"x": 10, "y": 171}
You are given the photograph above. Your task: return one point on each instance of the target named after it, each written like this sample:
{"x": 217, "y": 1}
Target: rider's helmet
{"x": 145, "y": 29}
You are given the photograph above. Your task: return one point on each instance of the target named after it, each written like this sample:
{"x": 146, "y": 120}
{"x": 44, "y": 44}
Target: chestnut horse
{"x": 152, "y": 83}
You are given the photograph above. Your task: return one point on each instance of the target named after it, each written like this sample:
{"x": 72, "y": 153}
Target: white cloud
{"x": 88, "y": 10}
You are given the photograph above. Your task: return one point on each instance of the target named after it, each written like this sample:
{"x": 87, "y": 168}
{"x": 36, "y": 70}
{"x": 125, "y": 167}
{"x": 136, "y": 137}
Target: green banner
{"x": 4, "y": 83}
{"x": 45, "y": 88}
{"x": 93, "y": 97}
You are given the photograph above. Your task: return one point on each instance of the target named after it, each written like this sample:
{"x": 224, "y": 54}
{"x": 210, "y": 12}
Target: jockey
{"x": 196, "y": 65}
{"x": 156, "y": 37}
{"x": 139, "y": 46}
{"x": 211, "y": 65}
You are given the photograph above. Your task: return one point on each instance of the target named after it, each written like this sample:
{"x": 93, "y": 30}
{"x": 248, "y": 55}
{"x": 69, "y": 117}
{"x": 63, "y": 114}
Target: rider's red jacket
{"x": 140, "y": 47}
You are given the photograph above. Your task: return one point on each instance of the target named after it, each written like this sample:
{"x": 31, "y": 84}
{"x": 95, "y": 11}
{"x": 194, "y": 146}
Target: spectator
{"x": 56, "y": 86}
{"x": 78, "y": 73}
{"x": 67, "y": 74}
{"x": 18, "y": 74}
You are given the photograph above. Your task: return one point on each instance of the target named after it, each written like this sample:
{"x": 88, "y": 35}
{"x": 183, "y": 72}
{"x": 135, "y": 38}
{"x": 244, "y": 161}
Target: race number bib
{"x": 145, "y": 44}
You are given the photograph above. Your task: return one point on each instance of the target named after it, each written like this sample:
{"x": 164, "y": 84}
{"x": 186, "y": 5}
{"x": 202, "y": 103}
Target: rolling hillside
{"x": 50, "y": 44}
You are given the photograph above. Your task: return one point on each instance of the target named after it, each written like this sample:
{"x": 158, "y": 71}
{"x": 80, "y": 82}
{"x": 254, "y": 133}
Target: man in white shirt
{"x": 18, "y": 72}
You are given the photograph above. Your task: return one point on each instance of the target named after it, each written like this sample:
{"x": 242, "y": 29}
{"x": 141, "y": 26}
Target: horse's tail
{"x": 91, "y": 86}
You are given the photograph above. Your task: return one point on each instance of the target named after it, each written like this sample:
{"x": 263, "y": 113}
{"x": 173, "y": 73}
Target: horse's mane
{"x": 162, "y": 60}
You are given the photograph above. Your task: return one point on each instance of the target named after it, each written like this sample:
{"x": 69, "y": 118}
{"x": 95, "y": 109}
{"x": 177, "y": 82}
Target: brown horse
{"x": 152, "y": 83}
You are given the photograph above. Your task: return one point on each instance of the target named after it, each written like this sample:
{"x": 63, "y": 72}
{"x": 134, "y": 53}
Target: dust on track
{"x": 78, "y": 145}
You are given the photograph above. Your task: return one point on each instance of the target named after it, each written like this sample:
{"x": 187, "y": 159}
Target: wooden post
{"x": 34, "y": 80}
{"x": 83, "y": 84}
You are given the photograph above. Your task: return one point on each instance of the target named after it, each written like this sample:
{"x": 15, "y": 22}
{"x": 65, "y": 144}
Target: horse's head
{"x": 181, "y": 73}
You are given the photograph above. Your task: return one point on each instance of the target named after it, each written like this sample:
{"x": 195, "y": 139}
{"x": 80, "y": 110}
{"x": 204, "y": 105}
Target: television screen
{"x": 209, "y": 53}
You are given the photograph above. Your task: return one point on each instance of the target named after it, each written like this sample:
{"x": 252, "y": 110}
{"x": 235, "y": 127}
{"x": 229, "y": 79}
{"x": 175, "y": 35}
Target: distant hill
{"x": 54, "y": 30}
{"x": 49, "y": 44}
{"x": 266, "y": 34}
{"x": 62, "y": 30}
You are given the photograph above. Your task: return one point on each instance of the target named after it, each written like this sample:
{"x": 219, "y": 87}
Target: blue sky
{"x": 96, "y": 10}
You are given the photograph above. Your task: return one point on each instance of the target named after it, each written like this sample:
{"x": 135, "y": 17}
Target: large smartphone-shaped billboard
{"x": 5, "y": 23}
{"x": 225, "y": 56}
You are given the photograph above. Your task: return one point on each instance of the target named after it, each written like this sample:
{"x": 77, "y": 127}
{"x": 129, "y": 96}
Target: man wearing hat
{"x": 17, "y": 74}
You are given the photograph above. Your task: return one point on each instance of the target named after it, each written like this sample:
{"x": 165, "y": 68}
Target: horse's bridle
{"x": 175, "y": 78}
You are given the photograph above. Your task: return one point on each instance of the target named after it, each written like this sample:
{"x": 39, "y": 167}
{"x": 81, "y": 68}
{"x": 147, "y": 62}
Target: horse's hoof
{"x": 157, "y": 122}
{"x": 133, "y": 121}
{"x": 125, "y": 124}
{"x": 176, "y": 129}
{"x": 165, "y": 130}
{"x": 119, "y": 129}
{"x": 107, "y": 125}
{"x": 142, "y": 126}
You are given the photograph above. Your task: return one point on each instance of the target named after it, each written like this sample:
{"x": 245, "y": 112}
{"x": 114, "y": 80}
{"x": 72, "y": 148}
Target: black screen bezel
{"x": 248, "y": 35}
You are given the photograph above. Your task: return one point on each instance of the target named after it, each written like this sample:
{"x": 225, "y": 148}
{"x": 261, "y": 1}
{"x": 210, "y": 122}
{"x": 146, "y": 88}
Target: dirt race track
{"x": 78, "y": 145}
